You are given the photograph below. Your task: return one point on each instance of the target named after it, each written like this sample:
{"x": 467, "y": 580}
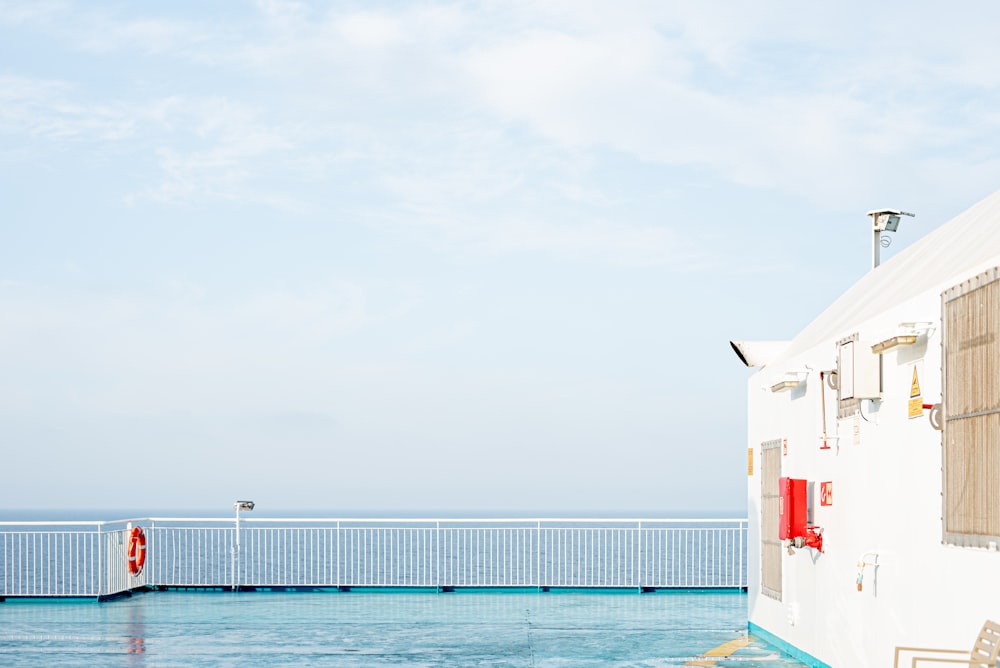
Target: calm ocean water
{"x": 111, "y": 514}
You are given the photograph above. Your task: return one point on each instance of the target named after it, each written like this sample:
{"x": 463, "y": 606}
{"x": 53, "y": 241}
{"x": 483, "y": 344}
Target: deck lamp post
{"x": 883, "y": 220}
{"x": 238, "y": 506}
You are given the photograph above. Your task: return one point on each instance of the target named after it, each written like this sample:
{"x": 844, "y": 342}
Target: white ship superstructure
{"x": 874, "y": 458}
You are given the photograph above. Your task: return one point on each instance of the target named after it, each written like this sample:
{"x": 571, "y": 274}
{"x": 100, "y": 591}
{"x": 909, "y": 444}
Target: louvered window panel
{"x": 770, "y": 558}
{"x": 971, "y": 393}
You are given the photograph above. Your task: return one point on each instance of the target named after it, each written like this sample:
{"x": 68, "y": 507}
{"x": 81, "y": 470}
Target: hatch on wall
{"x": 859, "y": 374}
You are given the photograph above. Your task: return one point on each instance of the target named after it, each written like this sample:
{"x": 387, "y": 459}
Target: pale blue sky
{"x": 451, "y": 256}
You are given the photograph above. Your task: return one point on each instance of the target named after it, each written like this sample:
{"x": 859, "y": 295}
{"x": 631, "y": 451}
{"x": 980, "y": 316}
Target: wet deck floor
{"x": 384, "y": 629}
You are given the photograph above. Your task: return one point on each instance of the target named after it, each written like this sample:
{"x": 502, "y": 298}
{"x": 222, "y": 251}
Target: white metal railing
{"x": 65, "y": 559}
{"x": 90, "y": 558}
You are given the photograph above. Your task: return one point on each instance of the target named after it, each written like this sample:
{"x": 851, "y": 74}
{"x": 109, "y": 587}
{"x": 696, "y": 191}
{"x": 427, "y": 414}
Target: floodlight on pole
{"x": 883, "y": 220}
{"x": 235, "y": 550}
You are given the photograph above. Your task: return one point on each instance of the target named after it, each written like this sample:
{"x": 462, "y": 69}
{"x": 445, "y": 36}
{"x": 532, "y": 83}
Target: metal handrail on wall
{"x": 59, "y": 559}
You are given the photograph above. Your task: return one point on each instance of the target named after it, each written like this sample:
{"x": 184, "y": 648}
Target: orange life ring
{"x": 136, "y": 550}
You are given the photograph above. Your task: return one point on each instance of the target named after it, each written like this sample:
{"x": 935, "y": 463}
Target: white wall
{"x": 887, "y": 499}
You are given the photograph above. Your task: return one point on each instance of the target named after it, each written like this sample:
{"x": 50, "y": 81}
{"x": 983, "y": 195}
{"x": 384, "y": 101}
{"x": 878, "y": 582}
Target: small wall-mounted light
{"x": 784, "y": 385}
{"x": 909, "y": 332}
{"x": 243, "y": 505}
{"x": 790, "y": 381}
{"x": 890, "y": 343}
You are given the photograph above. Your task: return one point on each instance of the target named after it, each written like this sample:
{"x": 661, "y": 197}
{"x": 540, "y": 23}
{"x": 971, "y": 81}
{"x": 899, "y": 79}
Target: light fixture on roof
{"x": 883, "y": 220}
{"x": 235, "y": 549}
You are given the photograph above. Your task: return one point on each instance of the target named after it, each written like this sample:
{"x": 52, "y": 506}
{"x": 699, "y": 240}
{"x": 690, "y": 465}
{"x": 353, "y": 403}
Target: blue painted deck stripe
{"x": 786, "y": 647}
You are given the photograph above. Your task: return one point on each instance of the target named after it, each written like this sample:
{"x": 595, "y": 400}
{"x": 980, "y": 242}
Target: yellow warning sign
{"x": 749, "y": 461}
{"x": 915, "y": 407}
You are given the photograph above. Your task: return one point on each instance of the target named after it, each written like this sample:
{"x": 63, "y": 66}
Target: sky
{"x": 460, "y": 257}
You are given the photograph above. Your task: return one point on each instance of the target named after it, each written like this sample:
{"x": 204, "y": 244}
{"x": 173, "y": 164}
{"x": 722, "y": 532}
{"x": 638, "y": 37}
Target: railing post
{"x": 100, "y": 560}
{"x": 151, "y": 573}
{"x": 538, "y": 554}
{"x": 235, "y": 549}
{"x": 638, "y": 574}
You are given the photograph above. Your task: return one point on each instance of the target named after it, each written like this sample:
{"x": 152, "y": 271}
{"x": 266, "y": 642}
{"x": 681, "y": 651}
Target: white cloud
{"x": 50, "y": 110}
{"x": 213, "y": 148}
{"x": 156, "y": 36}
{"x": 698, "y": 86}
{"x": 14, "y": 12}
{"x": 232, "y": 149}
{"x": 618, "y": 242}
{"x": 283, "y": 11}
{"x": 434, "y": 106}
{"x": 370, "y": 29}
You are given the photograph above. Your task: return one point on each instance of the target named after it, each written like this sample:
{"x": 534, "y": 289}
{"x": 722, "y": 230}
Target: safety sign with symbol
{"x": 915, "y": 407}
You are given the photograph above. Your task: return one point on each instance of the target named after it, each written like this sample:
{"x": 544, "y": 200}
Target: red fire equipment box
{"x": 792, "y": 508}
